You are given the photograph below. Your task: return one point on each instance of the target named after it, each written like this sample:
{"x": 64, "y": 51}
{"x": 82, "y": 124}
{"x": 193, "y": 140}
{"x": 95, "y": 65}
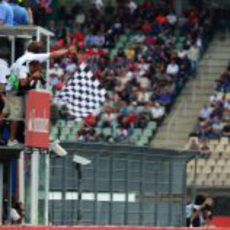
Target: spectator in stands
{"x": 132, "y": 6}
{"x": 217, "y": 127}
{"x": 121, "y": 134}
{"x": 193, "y": 56}
{"x": 109, "y": 118}
{"x": 144, "y": 68}
{"x": 193, "y": 143}
{"x": 158, "y": 112}
{"x": 99, "y": 4}
{"x": 171, "y": 19}
{"x": 214, "y": 98}
{"x": 172, "y": 68}
{"x": 206, "y": 112}
{"x": 6, "y": 13}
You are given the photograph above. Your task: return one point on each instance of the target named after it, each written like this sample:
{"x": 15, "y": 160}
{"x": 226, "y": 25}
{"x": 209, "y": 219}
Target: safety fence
{"x": 123, "y": 185}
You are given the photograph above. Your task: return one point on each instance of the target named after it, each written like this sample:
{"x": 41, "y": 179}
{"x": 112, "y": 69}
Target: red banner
{"x": 222, "y": 221}
{"x": 100, "y": 228}
{"x": 37, "y": 119}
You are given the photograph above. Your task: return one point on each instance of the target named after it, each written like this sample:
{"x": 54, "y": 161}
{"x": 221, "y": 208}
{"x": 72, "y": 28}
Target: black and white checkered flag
{"x": 82, "y": 94}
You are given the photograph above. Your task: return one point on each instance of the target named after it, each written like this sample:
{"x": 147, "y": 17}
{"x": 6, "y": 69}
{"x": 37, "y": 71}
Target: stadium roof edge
{"x": 78, "y": 147}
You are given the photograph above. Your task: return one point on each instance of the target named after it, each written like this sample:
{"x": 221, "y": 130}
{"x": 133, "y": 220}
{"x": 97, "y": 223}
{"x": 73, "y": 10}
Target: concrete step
{"x": 209, "y": 75}
{"x": 217, "y": 56}
{"x": 189, "y": 106}
{"x": 206, "y": 85}
{"x": 175, "y": 145}
{"x": 218, "y": 51}
{"x": 211, "y": 69}
{"x": 218, "y": 44}
{"x": 219, "y": 65}
{"x": 176, "y": 140}
{"x": 171, "y": 136}
{"x": 197, "y": 92}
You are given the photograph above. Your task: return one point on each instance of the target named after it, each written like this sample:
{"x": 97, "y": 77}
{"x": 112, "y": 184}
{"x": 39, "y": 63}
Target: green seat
{"x": 53, "y": 136}
{"x": 144, "y": 140}
{"x": 140, "y": 143}
{"x": 107, "y": 132}
{"x": 137, "y": 132}
{"x": 148, "y": 132}
{"x": 123, "y": 38}
{"x": 113, "y": 53}
{"x": 71, "y": 137}
{"x": 63, "y": 137}
{"x": 98, "y": 130}
{"x": 152, "y": 124}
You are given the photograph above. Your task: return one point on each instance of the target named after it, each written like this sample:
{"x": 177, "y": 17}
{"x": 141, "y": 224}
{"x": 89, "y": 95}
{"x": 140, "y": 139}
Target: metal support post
{"x": 47, "y": 64}
{"x": 47, "y": 180}
{"x": 21, "y": 178}
{"x": 1, "y": 192}
{"x": 34, "y": 187}
{"x": 12, "y": 38}
{"x": 194, "y": 187}
{"x": 79, "y": 176}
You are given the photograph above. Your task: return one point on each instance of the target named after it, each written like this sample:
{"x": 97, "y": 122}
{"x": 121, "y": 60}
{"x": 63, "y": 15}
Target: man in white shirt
{"x": 33, "y": 54}
{"x": 213, "y": 98}
{"x": 56, "y": 70}
{"x": 193, "y": 56}
{"x": 132, "y": 6}
{"x": 172, "y": 68}
{"x": 22, "y": 69}
{"x": 157, "y": 112}
{"x": 206, "y": 112}
{"x": 227, "y": 104}
{"x": 171, "y": 18}
{"x": 99, "y": 4}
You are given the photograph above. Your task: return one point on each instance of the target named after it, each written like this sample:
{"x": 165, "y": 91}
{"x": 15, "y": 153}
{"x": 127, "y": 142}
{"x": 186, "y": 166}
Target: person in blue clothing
{"x": 6, "y": 13}
{"x": 22, "y": 16}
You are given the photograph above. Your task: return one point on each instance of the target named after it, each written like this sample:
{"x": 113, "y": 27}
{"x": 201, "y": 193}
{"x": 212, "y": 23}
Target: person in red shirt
{"x": 90, "y": 120}
{"x": 146, "y": 27}
{"x": 161, "y": 19}
{"x": 79, "y": 38}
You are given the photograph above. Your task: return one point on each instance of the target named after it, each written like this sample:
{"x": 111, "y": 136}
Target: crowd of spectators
{"x": 144, "y": 77}
{"x": 214, "y": 118}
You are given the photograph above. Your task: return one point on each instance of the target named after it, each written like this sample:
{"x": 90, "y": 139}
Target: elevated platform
{"x": 24, "y": 31}
{"x": 10, "y": 153}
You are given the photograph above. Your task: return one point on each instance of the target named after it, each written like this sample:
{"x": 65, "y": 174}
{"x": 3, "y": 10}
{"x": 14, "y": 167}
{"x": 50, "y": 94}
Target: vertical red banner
{"x": 37, "y": 119}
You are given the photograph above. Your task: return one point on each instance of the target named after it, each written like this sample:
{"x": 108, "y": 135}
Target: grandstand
{"x": 161, "y": 137}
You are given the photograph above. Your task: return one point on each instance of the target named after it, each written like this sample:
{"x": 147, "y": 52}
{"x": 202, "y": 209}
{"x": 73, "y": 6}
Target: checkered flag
{"x": 82, "y": 95}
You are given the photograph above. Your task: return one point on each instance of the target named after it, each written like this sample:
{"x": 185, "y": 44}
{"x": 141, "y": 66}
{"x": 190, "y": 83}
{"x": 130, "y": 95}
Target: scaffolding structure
{"x": 27, "y": 33}
{"x": 31, "y": 185}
